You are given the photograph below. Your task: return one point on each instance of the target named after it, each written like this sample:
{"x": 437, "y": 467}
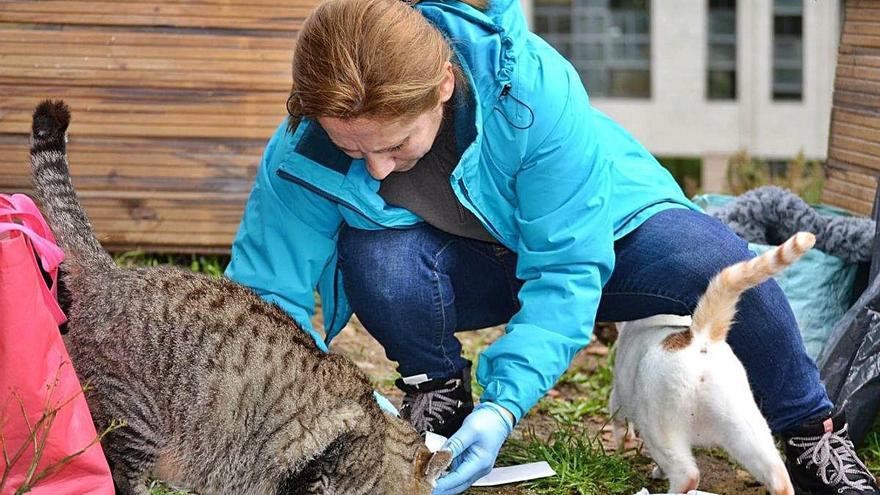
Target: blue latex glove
{"x": 475, "y": 446}
{"x": 385, "y": 404}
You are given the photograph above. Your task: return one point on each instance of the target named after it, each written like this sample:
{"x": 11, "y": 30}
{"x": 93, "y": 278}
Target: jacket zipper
{"x": 335, "y": 298}
{"x": 335, "y": 199}
{"x": 479, "y": 213}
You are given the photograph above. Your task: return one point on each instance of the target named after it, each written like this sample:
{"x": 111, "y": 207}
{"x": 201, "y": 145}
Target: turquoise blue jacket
{"x": 550, "y": 177}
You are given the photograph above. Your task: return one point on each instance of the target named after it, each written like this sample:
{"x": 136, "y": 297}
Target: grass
{"x": 157, "y": 488}
{"x": 870, "y": 451}
{"x": 589, "y": 394}
{"x": 213, "y": 265}
{"x": 582, "y": 465}
{"x": 806, "y": 178}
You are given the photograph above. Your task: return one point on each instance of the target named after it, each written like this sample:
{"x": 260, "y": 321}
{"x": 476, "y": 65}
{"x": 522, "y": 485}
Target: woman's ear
{"x": 447, "y": 85}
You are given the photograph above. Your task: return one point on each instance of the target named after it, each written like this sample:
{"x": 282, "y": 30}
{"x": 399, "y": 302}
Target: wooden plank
{"x": 156, "y": 9}
{"x": 170, "y": 130}
{"x": 45, "y": 59}
{"x": 863, "y": 22}
{"x": 134, "y": 112}
{"x": 854, "y": 177}
{"x": 155, "y": 152}
{"x": 833, "y": 164}
{"x": 855, "y": 191}
{"x": 107, "y": 112}
{"x": 264, "y": 3}
{"x": 240, "y": 17}
{"x": 856, "y": 85}
{"x": 146, "y": 78}
{"x": 267, "y": 120}
{"x": 252, "y": 45}
{"x": 860, "y": 56}
{"x": 169, "y": 124}
{"x": 144, "y": 220}
{"x": 90, "y": 182}
{"x": 850, "y": 116}
{"x": 853, "y": 131}
{"x": 848, "y": 143}
{"x": 231, "y": 216}
{"x": 114, "y": 99}
{"x": 146, "y": 61}
{"x": 222, "y": 228}
{"x": 850, "y": 39}
{"x": 136, "y": 164}
{"x": 860, "y": 101}
{"x": 856, "y": 158}
{"x": 854, "y": 148}
{"x": 858, "y": 72}
{"x": 132, "y": 240}
{"x": 857, "y": 10}
{"x": 93, "y": 18}
{"x": 242, "y": 58}
{"x": 834, "y": 198}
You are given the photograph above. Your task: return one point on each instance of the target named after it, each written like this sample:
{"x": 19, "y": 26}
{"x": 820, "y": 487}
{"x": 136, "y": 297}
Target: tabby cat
{"x": 221, "y": 391}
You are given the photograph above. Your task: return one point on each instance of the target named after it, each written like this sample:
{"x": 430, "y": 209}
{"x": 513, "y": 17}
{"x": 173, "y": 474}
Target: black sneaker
{"x": 821, "y": 460}
{"x": 439, "y": 405}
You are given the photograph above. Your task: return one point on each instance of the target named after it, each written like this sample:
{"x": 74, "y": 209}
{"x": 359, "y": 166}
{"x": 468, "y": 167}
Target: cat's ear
{"x": 431, "y": 465}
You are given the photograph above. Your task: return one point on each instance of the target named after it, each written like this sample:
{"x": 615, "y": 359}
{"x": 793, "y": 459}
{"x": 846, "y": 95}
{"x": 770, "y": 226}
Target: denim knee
{"x": 674, "y": 255}
{"x": 387, "y": 266}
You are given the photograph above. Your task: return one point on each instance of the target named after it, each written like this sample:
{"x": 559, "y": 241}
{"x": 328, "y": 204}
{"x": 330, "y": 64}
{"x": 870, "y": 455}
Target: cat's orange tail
{"x": 716, "y": 309}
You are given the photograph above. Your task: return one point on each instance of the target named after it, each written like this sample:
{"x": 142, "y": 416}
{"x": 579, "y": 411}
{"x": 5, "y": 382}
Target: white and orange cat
{"x": 678, "y": 382}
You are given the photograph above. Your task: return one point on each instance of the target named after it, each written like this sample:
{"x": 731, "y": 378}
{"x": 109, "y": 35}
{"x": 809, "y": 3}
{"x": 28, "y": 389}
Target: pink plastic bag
{"x": 42, "y": 407}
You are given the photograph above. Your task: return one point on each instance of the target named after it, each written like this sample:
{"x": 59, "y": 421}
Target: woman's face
{"x": 389, "y": 146}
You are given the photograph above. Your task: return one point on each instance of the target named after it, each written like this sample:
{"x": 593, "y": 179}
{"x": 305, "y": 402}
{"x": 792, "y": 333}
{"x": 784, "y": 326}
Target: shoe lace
{"x": 431, "y": 407}
{"x": 835, "y": 459}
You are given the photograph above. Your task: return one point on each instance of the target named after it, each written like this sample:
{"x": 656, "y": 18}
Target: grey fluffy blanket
{"x": 770, "y": 215}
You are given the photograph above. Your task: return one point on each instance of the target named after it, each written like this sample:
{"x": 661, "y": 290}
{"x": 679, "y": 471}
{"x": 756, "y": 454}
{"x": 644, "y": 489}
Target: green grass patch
{"x": 869, "y": 453}
{"x": 157, "y": 488}
{"x": 589, "y": 397}
{"x": 582, "y": 465}
{"x": 213, "y": 265}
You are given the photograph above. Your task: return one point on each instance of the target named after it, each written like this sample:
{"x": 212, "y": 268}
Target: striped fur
{"x": 715, "y": 312}
{"x": 221, "y": 391}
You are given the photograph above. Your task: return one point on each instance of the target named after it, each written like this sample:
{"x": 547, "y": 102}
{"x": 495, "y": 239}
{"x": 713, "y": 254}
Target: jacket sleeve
{"x": 286, "y": 239}
{"x": 565, "y": 256}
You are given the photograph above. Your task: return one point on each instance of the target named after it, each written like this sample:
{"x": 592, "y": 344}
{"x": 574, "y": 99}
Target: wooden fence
{"x": 854, "y": 147}
{"x": 172, "y": 103}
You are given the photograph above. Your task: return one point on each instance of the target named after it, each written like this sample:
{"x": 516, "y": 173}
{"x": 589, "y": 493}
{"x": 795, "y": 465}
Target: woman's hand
{"x": 475, "y": 446}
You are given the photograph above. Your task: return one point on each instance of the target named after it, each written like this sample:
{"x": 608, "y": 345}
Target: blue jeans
{"x": 414, "y": 288}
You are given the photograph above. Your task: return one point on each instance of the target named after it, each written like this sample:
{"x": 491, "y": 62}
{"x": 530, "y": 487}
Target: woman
{"x": 443, "y": 170}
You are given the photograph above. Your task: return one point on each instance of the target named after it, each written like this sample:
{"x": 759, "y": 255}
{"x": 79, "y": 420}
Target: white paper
{"x": 692, "y": 492}
{"x": 514, "y": 474}
{"x": 434, "y": 441}
{"x": 500, "y": 475}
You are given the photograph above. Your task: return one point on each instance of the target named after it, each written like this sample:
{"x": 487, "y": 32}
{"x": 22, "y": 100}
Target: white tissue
{"x": 692, "y": 492}
{"x": 500, "y": 475}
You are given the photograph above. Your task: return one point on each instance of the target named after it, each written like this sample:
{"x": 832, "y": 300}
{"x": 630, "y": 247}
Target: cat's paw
{"x": 657, "y": 474}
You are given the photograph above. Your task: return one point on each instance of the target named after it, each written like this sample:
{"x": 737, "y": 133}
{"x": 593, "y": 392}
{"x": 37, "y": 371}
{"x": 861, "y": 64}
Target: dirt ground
{"x": 718, "y": 474}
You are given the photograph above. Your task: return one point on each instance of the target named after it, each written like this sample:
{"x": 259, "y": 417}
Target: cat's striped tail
{"x": 54, "y": 191}
{"x": 716, "y": 309}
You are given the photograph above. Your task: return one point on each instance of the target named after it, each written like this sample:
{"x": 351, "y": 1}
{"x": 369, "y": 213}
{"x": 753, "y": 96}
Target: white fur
{"x": 696, "y": 396}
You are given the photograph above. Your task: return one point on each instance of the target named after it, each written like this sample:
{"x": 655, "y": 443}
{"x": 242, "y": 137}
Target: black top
{"x": 426, "y": 191}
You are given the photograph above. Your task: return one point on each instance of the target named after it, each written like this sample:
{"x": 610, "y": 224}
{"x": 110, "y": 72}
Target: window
{"x": 721, "y": 64}
{"x": 608, "y": 41}
{"x": 788, "y": 49}
{"x": 778, "y": 169}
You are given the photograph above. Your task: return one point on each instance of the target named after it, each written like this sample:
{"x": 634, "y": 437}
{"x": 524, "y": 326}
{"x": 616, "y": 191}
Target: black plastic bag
{"x": 850, "y": 363}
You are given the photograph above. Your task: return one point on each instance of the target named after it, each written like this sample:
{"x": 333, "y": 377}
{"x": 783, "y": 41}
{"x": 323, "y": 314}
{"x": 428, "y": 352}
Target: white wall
{"x": 678, "y": 120}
